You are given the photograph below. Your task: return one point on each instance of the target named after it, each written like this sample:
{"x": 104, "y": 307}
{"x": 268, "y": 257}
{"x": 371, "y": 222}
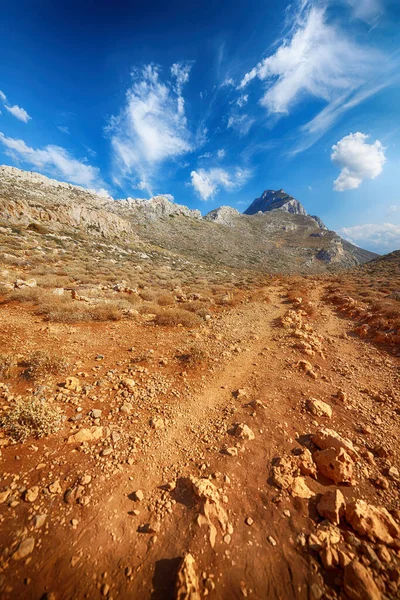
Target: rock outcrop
{"x": 272, "y": 200}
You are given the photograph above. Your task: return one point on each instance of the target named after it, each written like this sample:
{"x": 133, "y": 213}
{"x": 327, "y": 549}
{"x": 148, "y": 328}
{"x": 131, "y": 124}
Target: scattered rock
{"x": 24, "y": 549}
{"x": 4, "y": 494}
{"x": 31, "y": 494}
{"x": 318, "y": 408}
{"x": 55, "y": 487}
{"x": 72, "y": 383}
{"x": 39, "y": 521}
{"x": 328, "y": 438}
{"x": 129, "y": 384}
{"x": 332, "y": 506}
{"x": 249, "y": 521}
{"x": 187, "y": 583}
{"x": 243, "y": 432}
{"x": 372, "y": 521}
{"x": 157, "y": 423}
{"x": 300, "y": 489}
{"x": 86, "y": 435}
{"x": 138, "y": 496}
{"x": 335, "y": 464}
{"x": 359, "y": 583}
{"x": 95, "y": 413}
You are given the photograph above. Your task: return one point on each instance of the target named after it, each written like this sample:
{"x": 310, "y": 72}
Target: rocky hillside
{"x": 265, "y": 239}
{"x": 279, "y": 200}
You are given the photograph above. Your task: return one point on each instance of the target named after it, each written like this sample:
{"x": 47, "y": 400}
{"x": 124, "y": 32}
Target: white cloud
{"x": 18, "y": 112}
{"x": 152, "y": 126}
{"x": 366, "y": 10}
{"x": 241, "y": 123}
{"x": 383, "y": 237}
{"x": 63, "y": 129}
{"x": 316, "y": 60}
{"x": 221, "y": 153}
{"x": 358, "y": 160}
{"x": 208, "y": 182}
{"x": 205, "y": 155}
{"x": 54, "y": 160}
{"x": 3, "y": 97}
{"x": 242, "y": 100}
{"x": 393, "y": 208}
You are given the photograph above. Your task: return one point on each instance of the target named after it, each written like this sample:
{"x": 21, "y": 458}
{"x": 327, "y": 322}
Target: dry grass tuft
{"x": 177, "y": 316}
{"x": 42, "y": 364}
{"x": 31, "y": 417}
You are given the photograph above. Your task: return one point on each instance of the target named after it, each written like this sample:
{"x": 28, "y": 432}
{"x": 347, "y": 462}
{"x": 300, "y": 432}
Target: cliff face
{"x": 275, "y": 199}
{"x": 27, "y": 198}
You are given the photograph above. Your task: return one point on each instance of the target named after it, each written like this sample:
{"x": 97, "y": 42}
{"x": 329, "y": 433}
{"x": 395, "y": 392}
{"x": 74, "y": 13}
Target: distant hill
{"x": 280, "y": 238}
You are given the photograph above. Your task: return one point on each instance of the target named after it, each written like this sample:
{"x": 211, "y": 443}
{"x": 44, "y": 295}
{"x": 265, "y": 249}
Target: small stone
{"x": 372, "y": 521}
{"x": 95, "y": 413}
{"x": 72, "y": 383}
{"x": 86, "y": 435}
{"x": 157, "y": 423}
{"x": 138, "y": 496}
{"x": 318, "y": 408}
{"x": 243, "y": 432}
{"x": 230, "y": 451}
{"x": 24, "y": 549}
{"x": 287, "y": 513}
{"x": 55, "y": 487}
{"x": 332, "y": 506}
{"x": 335, "y": 464}
{"x": 359, "y": 583}
{"x": 4, "y": 494}
{"x": 129, "y": 384}
{"x": 105, "y": 588}
{"x": 227, "y": 538}
{"x": 300, "y": 489}
{"x": 39, "y": 521}
{"x": 31, "y": 494}
{"x": 272, "y": 540}
{"x": 249, "y": 521}
{"x": 85, "y": 479}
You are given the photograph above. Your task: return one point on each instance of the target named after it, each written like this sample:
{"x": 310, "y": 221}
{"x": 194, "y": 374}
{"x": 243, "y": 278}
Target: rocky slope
{"x": 284, "y": 240}
{"x": 279, "y": 200}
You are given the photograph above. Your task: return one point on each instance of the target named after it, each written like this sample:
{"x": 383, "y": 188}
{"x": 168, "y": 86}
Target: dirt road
{"x": 128, "y": 506}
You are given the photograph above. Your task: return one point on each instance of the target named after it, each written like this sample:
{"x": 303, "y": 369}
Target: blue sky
{"x": 212, "y": 103}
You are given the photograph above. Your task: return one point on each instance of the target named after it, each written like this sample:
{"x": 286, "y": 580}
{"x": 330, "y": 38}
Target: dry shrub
{"x": 193, "y": 356}
{"x": 31, "y": 417}
{"x": 147, "y": 295}
{"x": 8, "y": 365}
{"x": 166, "y": 300}
{"x": 41, "y": 364}
{"x": 177, "y": 316}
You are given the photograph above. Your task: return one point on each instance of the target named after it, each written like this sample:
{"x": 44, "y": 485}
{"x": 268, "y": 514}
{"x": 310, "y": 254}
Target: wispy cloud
{"x": 18, "y": 112}
{"x": 63, "y": 129}
{"x": 3, "y": 97}
{"x": 151, "y": 127}
{"x": 241, "y": 123}
{"x": 316, "y": 59}
{"x": 383, "y": 237}
{"x": 207, "y": 183}
{"x": 358, "y": 160}
{"x": 367, "y": 10}
{"x": 53, "y": 160}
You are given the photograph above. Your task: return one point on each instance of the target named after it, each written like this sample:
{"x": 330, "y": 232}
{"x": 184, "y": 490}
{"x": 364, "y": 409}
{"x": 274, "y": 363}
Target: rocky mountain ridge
{"x": 282, "y": 238}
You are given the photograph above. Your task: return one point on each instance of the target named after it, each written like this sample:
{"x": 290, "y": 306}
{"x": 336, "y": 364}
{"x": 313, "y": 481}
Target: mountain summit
{"x": 279, "y": 200}
{"x": 272, "y": 199}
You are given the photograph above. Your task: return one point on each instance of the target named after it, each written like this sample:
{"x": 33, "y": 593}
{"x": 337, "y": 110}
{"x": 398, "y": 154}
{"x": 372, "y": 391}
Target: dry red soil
{"x": 249, "y": 537}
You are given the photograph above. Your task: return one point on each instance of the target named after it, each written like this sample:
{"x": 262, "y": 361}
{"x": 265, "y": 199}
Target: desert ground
{"x": 249, "y": 453}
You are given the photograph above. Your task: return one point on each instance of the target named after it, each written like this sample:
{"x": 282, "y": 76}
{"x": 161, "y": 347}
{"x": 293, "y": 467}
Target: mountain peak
{"x": 276, "y": 199}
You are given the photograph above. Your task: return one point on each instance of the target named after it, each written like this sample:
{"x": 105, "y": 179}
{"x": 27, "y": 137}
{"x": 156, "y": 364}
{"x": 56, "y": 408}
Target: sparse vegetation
{"x": 31, "y": 417}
